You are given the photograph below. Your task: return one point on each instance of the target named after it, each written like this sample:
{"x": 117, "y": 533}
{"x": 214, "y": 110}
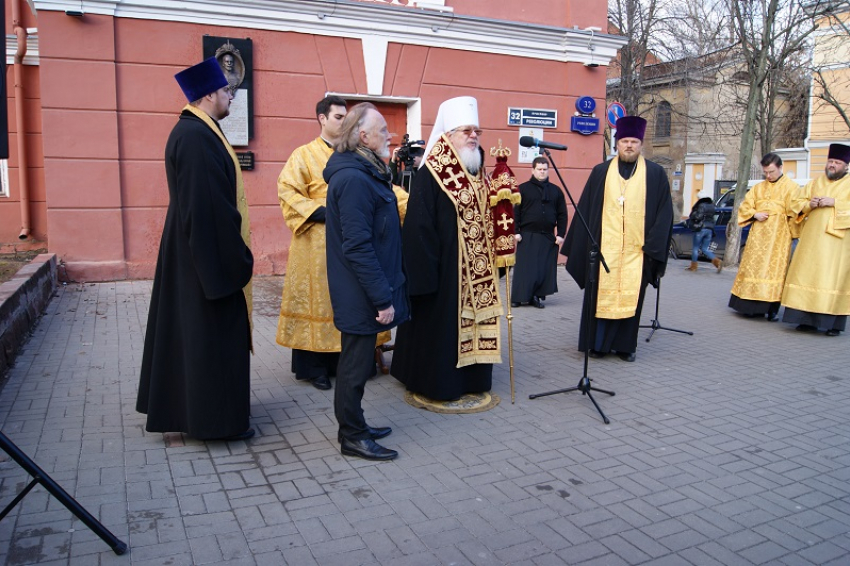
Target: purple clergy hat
{"x": 631, "y": 127}
{"x": 201, "y": 79}
{"x": 839, "y": 151}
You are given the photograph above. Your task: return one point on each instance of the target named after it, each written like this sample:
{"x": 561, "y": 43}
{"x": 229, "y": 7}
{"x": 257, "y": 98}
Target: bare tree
{"x": 768, "y": 32}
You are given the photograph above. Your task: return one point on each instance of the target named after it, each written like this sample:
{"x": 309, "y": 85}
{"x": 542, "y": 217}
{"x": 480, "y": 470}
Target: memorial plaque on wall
{"x": 236, "y": 57}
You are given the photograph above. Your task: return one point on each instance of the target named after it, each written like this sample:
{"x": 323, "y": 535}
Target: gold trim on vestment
{"x": 241, "y": 205}
{"x": 479, "y": 306}
{"x": 623, "y": 212}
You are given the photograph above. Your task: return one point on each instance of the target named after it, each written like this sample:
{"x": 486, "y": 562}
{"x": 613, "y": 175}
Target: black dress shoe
{"x": 368, "y": 449}
{"x": 515, "y": 304}
{"x": 374, "y": 433}
{"x": 322, "y": 382}
{"x": 535, "y": 301}
{"x": 833, "y": 332}
{"x": 806, "y": 328}
{"x": 241, "y": 436}
{"x": 772, "y": 317}
{"x": 596, "y": 354}
{"x": 627, "y": 356}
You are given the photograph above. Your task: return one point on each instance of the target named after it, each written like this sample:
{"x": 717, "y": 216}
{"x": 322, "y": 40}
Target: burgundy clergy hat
{"x": 839, "y": 151}
{"x": 631, "y": 127}
{"x": 201, "y": 79}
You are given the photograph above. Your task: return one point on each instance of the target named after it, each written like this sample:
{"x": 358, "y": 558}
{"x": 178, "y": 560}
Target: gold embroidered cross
{"x": 454, "y": 178}
{"x": 505, "y": 222}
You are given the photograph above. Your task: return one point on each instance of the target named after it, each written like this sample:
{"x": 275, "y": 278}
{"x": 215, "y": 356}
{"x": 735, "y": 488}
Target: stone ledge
{"x": 22, "y": 300}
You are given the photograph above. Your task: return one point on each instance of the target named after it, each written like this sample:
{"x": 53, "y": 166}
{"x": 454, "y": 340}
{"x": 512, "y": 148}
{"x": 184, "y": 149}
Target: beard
{"x": 384, "y": 152}
{"x": 471, "y": 159}
{"x": 628, "y": 158}
{"x": 835, "y": 175}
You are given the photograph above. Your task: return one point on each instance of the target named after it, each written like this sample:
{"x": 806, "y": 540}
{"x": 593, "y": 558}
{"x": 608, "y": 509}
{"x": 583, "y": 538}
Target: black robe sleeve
{"x": 420, "y": 236}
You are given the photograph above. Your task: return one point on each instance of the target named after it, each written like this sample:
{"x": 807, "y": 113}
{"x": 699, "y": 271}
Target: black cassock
{"x": 619, "y": 335}
{"x": 541, "y": 210}
{"x": 425, "y": 354}
{"x": 195, "y": 366}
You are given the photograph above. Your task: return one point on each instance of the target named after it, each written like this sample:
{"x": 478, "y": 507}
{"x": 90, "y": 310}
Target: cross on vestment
{"x": 621, "y": 199}
{"x": 454, "y": 178}
{"x": 505, "y": 221}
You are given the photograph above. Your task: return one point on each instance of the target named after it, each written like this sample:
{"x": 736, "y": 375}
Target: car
{"x": 683, "y": 238}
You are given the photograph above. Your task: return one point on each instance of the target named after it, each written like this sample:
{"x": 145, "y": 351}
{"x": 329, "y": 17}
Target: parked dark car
{"x": 683, "y": 238}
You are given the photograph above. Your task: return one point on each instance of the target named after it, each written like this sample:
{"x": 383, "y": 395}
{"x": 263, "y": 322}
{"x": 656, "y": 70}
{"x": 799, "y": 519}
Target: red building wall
{"x": 109, "y": 100}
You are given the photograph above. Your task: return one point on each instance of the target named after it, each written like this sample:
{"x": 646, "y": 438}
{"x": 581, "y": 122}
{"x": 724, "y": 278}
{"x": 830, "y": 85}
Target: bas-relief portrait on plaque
{"x": 235, "y": 57}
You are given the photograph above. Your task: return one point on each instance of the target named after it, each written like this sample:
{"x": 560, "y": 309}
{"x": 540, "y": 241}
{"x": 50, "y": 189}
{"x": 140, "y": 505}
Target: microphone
{"x": 528, "y": 141}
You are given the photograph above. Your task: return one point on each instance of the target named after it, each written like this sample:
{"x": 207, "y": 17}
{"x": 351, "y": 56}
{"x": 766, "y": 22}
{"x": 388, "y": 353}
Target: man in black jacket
{"x": 701, "y": 223}
{"x": 541, "y": 212}
{"x": 365, "y": 277}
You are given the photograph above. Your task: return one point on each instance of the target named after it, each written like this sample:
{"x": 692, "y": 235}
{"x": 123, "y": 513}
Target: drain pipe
{"x": 21, "y": 33}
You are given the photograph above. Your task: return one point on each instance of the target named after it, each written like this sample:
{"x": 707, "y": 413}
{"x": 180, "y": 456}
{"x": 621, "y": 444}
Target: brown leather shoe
{"x": 692, "y": 266}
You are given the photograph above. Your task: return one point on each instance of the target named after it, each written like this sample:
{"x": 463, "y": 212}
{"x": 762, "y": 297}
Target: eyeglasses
{"x": 468, "y": 131}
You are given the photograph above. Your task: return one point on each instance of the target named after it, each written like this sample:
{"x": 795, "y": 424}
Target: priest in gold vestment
{"x": 771, "y": 208}
{"x": 306, "y": 318}
{"x": 817, "y": 289}
{"x": 628, "y": 207}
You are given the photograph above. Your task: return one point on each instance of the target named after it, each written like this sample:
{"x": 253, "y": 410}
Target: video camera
{"x": 408, "y": 151}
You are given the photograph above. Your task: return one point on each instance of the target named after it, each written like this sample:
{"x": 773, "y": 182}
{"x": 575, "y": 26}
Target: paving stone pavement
{"x": 727, "y": 447}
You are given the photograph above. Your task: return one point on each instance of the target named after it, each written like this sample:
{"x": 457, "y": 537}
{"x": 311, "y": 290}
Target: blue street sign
{"x": 584, "y": 125}
{"x": 532, "y": 118}
{"x": 615, "y": 112}
{"x": 586, "y": 105}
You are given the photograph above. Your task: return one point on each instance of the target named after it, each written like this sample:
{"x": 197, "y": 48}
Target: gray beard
{"x": 471, "y": 159}
{"x": 836, "y": 175}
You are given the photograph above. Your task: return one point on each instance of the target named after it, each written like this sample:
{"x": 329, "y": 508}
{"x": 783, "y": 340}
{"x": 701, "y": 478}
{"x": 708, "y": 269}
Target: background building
{"x": 92, "y": 99}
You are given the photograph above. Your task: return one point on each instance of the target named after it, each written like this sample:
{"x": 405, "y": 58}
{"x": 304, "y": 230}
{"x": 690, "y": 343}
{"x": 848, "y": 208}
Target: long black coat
{"x": 541, "y": 211}
{"x": 195, "y": 366}
{"x": 425, "y": 355}
{"x": 658, "y": 229}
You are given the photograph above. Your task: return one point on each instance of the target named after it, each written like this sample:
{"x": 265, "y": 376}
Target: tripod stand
{"x": 656, "y": 324}
{"x": 594, "y": 258}
{"x": 56, "y": 491}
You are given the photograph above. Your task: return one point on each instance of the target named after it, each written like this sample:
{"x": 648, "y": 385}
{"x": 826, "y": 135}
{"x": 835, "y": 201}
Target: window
{"x": 4, "y": 177}
{"x": 662, "y": 119}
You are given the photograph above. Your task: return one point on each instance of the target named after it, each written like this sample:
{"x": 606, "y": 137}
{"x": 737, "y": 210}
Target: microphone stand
{"x": 594, "y": 257}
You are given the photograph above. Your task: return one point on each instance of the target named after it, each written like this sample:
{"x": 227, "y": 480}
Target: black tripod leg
{"x": 656, "y": 324}
{"x": 598, "y": 408}
{"x": 56, "y": 491}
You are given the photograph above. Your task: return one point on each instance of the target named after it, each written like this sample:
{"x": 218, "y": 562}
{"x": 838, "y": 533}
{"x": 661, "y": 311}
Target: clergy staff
{"x": 626, "y": 202}
{"x": 452, "y": 340}
{"x": 817, "y": 288}
{"x": 195, "y": 375}
{"x": 770, "y": 209}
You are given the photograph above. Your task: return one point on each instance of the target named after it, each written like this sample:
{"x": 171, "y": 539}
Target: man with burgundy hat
{"x": 817, "y": 288}
{"x": 449, "y": 346}
{"x": 628, "y": 207}
{"x": 196, "y": 360}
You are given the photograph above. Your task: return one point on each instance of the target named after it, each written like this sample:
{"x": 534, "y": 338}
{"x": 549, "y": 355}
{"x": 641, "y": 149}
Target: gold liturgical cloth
{"x": 623, "y": 212}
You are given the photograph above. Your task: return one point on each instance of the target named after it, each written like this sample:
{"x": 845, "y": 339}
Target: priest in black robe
{"x": 195, "y": 365}
{"x": 541, "y": 221}
{"x": 629, "y": 210}
{"x": 447, "y": 348}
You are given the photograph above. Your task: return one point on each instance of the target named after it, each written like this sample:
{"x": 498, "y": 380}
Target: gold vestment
{"x": 764, "y": 264}
{"x": 623, "y": 212}
{"x": 818, "y": 279}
